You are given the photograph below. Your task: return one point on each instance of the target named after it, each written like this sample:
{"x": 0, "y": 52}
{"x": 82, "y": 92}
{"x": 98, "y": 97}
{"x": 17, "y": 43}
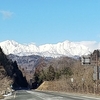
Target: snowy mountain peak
{"x": 10, "y": 42}
{"x": 65, "y": 48}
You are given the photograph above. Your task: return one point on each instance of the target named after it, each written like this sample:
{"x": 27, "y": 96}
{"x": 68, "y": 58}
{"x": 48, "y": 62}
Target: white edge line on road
{"x": 91, "y": 97}
{"x": 15, "y": 95}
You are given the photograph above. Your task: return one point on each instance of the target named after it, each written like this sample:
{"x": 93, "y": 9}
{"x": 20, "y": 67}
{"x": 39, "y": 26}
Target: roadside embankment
{"x": 53, "y": 86}
{"x": 60, "y": 86}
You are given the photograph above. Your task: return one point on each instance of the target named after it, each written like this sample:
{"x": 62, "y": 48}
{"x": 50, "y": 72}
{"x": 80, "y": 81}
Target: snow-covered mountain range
{"x": 65, "y": 48}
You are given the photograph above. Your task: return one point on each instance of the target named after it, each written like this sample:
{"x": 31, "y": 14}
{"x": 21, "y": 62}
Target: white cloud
{"x": 92, "y": 45}
{"x": 6, "y": 14}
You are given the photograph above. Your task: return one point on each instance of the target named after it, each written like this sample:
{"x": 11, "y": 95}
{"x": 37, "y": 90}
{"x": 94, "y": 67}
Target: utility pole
{"x": 93, "y": 60}
{"x": 97, "y": 71}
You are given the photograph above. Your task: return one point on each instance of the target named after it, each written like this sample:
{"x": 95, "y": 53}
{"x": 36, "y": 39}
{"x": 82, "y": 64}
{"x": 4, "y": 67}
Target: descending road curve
{"x": 36, "y": 95}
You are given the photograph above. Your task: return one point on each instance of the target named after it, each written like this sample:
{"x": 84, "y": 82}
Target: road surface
{"x": 36, "y": 95}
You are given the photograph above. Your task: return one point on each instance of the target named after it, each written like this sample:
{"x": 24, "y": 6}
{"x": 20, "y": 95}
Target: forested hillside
{"x": 10, "y": 75}
{"x": 66, "y": 74}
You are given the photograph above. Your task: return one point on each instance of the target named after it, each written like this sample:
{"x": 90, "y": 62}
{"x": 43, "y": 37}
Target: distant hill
{"x": 28, "y": 62}
{"x": 31, "y": 62}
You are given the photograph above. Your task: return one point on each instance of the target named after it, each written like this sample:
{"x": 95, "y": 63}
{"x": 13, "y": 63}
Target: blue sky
{"x": 49, "y": 21}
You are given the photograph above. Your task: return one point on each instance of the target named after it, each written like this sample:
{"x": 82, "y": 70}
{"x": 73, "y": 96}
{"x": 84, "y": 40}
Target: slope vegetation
{"x": 10, "y": 74}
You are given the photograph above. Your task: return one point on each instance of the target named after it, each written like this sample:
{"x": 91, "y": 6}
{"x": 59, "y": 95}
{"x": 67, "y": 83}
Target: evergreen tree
{"x": 50, "y": 73}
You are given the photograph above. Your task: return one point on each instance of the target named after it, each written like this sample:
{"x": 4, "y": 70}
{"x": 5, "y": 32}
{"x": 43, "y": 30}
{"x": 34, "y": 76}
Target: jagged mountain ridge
{"x": 65, "y": 48}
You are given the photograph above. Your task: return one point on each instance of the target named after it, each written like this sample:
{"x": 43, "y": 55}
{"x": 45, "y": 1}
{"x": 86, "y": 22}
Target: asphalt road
{"x": 36, "y": 95}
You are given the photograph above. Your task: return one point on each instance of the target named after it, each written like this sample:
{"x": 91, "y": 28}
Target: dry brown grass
{"x": 5, "y": 85}
{"x": 1, "y": 97}
{"x": 60, "y": 85}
